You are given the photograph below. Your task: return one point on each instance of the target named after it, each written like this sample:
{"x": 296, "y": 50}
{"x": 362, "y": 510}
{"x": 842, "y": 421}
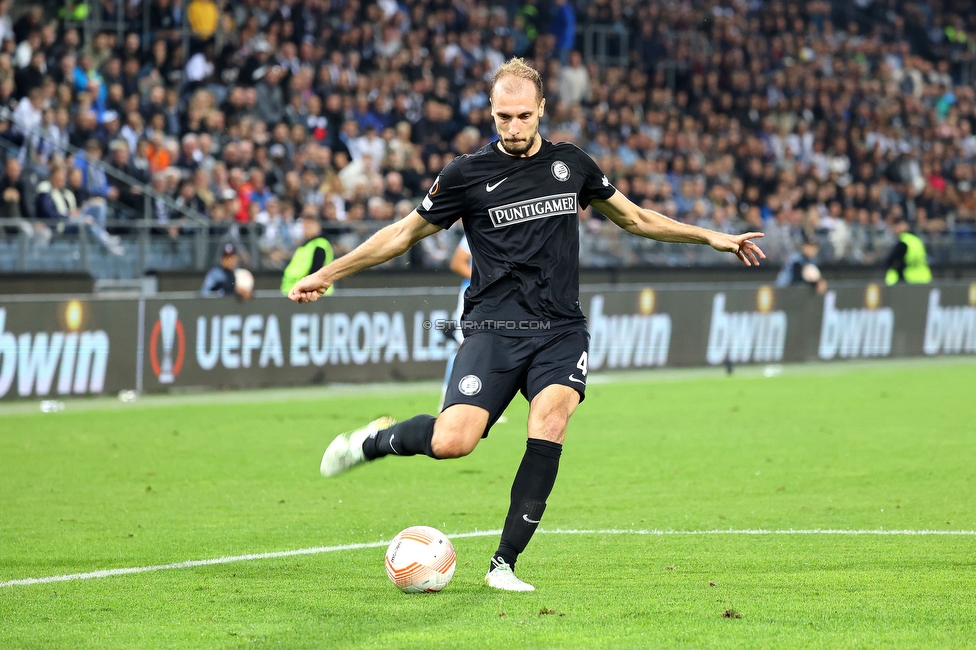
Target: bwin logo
{"x": 79, "y": 359}
{"x": 749, "y": 335}
{"x": 950, "y": 329}
{"x": 629, "y": 340}
{"x": 850, "y": 333}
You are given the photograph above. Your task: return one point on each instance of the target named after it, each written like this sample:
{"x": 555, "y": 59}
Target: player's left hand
{"x": 741, "y": 246}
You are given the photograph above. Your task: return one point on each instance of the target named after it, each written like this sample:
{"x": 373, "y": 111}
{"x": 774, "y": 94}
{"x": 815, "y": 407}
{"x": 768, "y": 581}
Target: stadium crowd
{"x": 800, "y": 119}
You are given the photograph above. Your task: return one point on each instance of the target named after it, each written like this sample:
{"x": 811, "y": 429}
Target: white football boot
{"x": 502, "y": 577}
{"x": 346, "y": 450}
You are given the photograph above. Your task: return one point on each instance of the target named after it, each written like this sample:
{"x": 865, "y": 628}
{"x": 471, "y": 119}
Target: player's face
{"x": 517, "y": 111}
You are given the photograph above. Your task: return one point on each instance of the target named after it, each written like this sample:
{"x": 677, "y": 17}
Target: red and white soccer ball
{"x": 420, "y": 560}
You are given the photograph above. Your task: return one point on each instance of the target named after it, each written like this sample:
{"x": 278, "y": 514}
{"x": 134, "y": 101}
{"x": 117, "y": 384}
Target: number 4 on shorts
{"x": 581, "y": 364}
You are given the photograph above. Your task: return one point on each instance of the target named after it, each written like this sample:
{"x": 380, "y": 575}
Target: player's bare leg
{"x": 549, "y": 414}
{"x": 550, "y": 411}
{"x": 458, "y": 430}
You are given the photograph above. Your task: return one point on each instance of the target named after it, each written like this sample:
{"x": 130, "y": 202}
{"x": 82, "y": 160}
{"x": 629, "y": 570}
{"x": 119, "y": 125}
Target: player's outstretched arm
{"x": 392, "y": 241}
{"x": 653, "y": 225}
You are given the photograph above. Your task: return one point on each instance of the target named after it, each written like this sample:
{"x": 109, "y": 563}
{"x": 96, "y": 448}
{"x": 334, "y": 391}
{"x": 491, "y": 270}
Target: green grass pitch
{"x": 853, "y": 447}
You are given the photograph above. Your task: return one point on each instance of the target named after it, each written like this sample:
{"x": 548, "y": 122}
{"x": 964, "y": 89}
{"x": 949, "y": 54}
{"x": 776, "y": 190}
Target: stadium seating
{"x": 824, "y": 120}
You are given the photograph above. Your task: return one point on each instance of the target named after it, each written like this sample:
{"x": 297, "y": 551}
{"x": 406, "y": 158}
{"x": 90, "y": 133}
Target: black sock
{"x": 407, "y": 438}
{"x": 533, "y": 483}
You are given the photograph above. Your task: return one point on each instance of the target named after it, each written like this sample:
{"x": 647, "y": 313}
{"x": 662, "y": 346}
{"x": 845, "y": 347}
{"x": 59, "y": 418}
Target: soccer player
{"x": 518, "y": 198}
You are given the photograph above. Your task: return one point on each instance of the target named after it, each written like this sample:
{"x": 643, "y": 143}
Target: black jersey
{"x": 520, "y": 218}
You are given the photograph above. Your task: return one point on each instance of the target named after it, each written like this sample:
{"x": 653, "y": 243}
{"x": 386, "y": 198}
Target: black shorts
{"x": 490, "y": 369}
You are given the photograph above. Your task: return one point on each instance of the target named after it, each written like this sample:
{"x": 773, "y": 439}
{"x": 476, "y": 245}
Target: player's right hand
{"x": 309, "y": 289}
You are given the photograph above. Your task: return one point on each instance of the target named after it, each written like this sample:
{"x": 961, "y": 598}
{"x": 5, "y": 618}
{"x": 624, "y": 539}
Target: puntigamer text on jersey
{"x": 546, "y": 206}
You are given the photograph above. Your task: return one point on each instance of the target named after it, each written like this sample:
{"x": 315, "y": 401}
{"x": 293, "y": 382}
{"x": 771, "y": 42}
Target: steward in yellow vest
{"x": 315, "y": 253}
{"x": 907, "y": 261}
{"x": 203, "y": 16}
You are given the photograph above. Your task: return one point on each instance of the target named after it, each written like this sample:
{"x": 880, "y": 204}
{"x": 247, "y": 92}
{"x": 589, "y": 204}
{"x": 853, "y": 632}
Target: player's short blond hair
{"x": 518, "y": 68}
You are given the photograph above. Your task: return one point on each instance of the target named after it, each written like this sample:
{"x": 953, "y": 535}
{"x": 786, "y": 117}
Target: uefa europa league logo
{"x": 167, "y": 332}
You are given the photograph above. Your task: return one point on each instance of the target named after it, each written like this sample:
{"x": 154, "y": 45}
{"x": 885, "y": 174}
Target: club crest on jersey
{"x": 530, "y": 209}
{"x": 560, "y": 171}
{"x": 470, "y": 385}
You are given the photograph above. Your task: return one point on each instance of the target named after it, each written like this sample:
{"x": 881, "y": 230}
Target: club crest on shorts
{"x": 470, "y": 385}
{"x": 560, "y": 171}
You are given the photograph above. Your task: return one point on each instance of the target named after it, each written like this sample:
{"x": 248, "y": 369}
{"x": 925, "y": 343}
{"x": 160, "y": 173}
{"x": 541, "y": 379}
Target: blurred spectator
{"x": 203, "y": 16}
{"x": 187, "y": 198}
{"x": 276, "y": 242}
{"x": 563, "y": 27}
{"x": 311, "y": 256}
{"x": 29, "y": 112}
{"x": 93, "y": 175}
{"x": 27, "y": 46}
{"x": 128, "y": 193}
{"x": 220, "y": 280}
{"x": 200, "y": 68}
{"x": 370, "y": 145}
{"x": 270, "y": 105}
{"x": 782, "y": 235}
{"x": 801, "y": 268}
{"x": 574, "y": 81}
{"x": 58, "y": 206}
{"x": 32, "y": 75}
{"x": 88, "y": 80}
{"x": 162, "y": 20}
{"x": 13, "y": 192}
{"x": 257, "y": 192}
{"x": 908, "y": 261}
{"x": 6, "y": 25}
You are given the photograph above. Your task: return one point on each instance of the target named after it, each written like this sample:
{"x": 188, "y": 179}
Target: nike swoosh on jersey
{"x": 489, "y": 187}
{"x": 579, "y": 381}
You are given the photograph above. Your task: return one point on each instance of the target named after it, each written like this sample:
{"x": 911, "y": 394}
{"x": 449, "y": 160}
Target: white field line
{"x": 315, "y": 550}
